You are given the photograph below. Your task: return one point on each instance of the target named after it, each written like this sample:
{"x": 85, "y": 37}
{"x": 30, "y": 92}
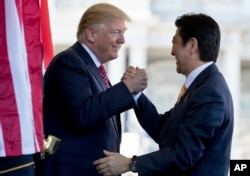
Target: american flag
{"x": 21, "y": 57}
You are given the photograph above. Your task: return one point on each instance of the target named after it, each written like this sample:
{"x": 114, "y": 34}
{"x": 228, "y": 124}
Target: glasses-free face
{"x": 108, "y": 39}
{"x": 186, "y": 55}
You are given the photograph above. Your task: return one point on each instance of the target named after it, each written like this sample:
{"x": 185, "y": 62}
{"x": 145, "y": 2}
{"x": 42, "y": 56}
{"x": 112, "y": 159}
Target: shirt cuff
{"x": 137, "y": 96}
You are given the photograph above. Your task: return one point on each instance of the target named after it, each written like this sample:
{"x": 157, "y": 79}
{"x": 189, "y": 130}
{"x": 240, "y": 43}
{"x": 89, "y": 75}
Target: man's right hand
{"x": 135, "y": 79}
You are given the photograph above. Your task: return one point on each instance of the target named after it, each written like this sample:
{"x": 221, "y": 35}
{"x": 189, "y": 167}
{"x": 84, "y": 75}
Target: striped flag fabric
{"x": 21, "y": 126}
{"x": 48, "y": 51}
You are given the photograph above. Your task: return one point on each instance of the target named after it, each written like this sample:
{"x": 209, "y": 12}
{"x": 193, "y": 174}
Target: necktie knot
{"x": 104, "y": 75}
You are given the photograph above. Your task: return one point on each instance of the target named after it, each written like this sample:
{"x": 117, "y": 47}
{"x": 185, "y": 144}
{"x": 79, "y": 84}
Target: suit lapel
{"x": 178, "y": 108}
{"x": 92, "y": 69}
{"x": 201, "y": 78}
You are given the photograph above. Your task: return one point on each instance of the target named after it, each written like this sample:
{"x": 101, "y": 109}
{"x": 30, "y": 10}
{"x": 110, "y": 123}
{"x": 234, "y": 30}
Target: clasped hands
{"x": 135, "y": 79}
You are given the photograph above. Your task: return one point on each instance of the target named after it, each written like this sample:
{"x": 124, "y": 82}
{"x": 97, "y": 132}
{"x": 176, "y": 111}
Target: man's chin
{"x": 114, "y": 56}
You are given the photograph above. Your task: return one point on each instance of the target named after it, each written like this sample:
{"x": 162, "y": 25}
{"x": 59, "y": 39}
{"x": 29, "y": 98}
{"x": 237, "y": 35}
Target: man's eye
{"x": 115, "y": 32}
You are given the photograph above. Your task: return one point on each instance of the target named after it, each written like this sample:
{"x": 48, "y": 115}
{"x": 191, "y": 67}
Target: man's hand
{"x": 112, "y": 164}
{"x": 135, "y": 79}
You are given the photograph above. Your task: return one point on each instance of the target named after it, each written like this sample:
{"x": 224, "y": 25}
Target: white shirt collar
{"x": 191, "y": 77}
{"x": 92, "y": 55}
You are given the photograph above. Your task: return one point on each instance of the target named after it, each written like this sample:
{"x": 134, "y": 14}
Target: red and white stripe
{"x": 21, "y": 128}
{"x": 48, "y": 51}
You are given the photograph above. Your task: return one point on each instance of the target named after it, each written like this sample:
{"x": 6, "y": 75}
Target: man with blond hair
{"x": 80, "y": 105}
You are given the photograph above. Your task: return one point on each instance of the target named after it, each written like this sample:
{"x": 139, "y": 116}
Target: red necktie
{"x": 104, "y": 75}
{"x": 182, "y": 91}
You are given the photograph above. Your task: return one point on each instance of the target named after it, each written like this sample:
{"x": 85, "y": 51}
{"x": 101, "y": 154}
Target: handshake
{"x": 135, "y": 79}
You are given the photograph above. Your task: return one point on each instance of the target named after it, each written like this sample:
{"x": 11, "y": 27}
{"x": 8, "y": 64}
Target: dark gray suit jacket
{"x": 81, "y": 112}
{"x": 195, "y": 135}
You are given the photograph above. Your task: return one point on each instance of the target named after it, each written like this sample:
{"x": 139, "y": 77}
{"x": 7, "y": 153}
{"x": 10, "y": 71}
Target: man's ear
{"x": 193, "y": 44}
{"x": 90, "y": 35}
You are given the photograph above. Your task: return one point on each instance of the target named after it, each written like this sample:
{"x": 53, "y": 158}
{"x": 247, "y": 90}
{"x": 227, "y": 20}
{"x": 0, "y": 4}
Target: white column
{"x": 117, "y": 67}
{"x": 232, "y": 72}
{"x": 138, "y": 56}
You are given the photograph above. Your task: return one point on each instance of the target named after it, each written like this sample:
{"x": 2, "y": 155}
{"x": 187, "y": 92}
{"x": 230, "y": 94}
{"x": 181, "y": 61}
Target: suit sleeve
{"x": 186, "y": 137}
{"x": 80, "y": 96}
{"x": 148, "y": 117}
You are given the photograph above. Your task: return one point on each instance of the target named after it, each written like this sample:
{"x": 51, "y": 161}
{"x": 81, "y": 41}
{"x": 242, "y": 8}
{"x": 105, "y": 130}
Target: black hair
{"x": 206, "y": 31}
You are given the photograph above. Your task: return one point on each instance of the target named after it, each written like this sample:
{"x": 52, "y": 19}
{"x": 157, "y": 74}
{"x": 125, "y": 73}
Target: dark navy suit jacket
{"x": 195, "y": 135}
{"x": 81, "y": 112}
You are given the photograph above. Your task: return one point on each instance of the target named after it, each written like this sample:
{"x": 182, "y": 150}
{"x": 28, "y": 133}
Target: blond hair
{"x": 98, "y": 14}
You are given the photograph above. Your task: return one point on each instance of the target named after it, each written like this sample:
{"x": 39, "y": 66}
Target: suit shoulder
{"x": 69, "y": 57}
